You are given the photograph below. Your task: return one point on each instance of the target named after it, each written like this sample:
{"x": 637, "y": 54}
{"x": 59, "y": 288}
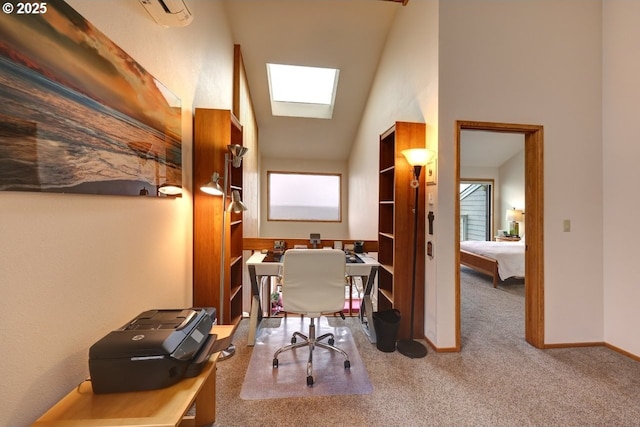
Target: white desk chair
{"x": 313, "y": 283}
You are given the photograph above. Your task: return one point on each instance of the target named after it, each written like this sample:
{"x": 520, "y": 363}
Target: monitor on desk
{"x": 315, "y": 239}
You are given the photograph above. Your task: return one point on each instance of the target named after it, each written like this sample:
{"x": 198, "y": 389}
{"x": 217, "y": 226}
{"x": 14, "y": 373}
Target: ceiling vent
{"x": 168, "y": 13}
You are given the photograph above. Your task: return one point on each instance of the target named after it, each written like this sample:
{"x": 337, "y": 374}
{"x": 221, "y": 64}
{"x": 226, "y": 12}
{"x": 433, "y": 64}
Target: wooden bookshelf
{"x": 214, "y": 130}
{"x": 395, "y": 227}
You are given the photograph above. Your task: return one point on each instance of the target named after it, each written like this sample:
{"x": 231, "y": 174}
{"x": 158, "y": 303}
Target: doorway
{"x": 534, "y": 192}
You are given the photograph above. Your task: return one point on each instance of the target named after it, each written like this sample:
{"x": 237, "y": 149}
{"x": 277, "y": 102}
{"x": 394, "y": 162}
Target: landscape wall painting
{"x": 77, "y": 114}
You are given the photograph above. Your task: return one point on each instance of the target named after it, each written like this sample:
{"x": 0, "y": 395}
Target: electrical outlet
{"x": 566, "y": 225}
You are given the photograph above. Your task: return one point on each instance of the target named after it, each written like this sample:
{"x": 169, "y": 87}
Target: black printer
{"x": 154, "y": 350}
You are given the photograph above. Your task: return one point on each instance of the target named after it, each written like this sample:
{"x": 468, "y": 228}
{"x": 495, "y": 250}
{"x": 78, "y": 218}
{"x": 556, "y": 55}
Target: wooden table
{"x": 159, "y": 408}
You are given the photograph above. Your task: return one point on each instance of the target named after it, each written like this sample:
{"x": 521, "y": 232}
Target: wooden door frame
{"x": 534, "y": 230}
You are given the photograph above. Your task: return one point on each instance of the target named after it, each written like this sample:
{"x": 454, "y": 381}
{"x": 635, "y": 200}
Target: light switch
{"x": 566, "y": 225}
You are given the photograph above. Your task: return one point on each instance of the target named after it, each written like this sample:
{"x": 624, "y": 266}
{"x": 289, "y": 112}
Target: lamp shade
{"x": 170, "y": 190}
{"x": 237, "y": 152}
{"x": 418, "y": 156}
{"x": 213, "y": 187}
{"x": 236, "y": 205}
{"x": 514, "y": 215}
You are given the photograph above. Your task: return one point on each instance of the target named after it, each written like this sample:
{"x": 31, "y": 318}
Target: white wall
{"x": 302, "y": 229}
{"x": 74, "y": 267}
{"x": 531, "y": 62}
{"x": 405, "y": 89}
{"x": 621, "y": 151}
{"x": 511, "y": 189}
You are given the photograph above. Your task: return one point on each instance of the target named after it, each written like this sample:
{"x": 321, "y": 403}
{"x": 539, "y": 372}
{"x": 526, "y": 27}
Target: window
{"x": 298, "y": 91}
{"x": 476, "y": 200}
{"x": 297, "y": 196}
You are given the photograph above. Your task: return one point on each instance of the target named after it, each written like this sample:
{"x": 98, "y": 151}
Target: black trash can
{"x": 386, "y": 324}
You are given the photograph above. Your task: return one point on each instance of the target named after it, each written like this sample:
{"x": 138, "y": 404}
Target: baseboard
{"x": 623, "y": 352}
{"x": 573, "y": 344}
{"x": 594, "y": 344}
{"x": 442, "y": 349}
{"x": 550, "y": 346}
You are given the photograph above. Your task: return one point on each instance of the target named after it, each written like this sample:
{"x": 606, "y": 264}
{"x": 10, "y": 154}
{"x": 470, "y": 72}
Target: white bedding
{"x": 510, "y": 255}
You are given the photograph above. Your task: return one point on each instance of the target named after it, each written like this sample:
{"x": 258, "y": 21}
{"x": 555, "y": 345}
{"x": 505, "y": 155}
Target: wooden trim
{"x": 575, "y": 344}
{"x": 261, "y": 243}
{"x": 244, "y": 110}
{"x": 534, "y": 225}
{"x": 442, "y": 349}
{"x": 549, "y": 346}
{"x": 534, "y": 247}
{"x": 456, "y": 233}
{"x": 621, "y": 351}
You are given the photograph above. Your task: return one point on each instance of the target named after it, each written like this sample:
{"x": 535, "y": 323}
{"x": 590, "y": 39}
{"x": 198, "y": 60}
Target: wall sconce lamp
{"x": 513, "y": 217}
{"x": 416, "y": 157}
{"x": 170, "y": 190}
{"x": 233, "y": 156}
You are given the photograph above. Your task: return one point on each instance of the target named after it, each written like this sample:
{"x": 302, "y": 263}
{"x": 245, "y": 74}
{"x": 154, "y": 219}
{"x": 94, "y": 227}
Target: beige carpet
{"x": 496, "y": 380}
{"x": 262, "y": 381}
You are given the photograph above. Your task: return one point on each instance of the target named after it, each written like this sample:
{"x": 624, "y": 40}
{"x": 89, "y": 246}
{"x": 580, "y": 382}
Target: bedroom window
{"x": 476, "y": 200}
{"x": 299, "y": 196}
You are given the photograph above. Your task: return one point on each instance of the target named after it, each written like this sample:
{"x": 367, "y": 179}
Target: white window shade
{"x": 304, "y": 197}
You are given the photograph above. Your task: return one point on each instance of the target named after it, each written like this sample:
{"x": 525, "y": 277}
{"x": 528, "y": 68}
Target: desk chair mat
{"x": 262, "y": 381}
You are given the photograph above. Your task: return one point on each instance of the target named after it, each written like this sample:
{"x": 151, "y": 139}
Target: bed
{"x": 500, "y": 260}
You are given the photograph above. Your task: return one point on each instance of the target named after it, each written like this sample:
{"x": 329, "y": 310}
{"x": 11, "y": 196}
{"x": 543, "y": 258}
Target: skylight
{"x": 298, "y": 91}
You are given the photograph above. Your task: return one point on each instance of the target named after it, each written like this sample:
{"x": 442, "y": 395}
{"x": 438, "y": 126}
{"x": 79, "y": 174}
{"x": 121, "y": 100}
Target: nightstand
{"x": 507, "y": 239}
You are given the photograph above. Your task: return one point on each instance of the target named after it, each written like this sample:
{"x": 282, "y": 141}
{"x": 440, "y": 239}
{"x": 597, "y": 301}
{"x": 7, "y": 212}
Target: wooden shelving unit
{"x": 395, "y": 227}
{"x": 213, "y": 131}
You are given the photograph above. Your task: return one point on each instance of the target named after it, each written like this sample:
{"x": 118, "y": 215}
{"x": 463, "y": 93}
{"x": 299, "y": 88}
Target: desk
{"x": 259, "y": 269}
{"x": 165, "y": 407}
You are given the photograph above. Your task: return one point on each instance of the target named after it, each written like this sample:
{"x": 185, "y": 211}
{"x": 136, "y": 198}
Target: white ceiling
{"x": 488, "y": 149}
{"x": 348, "y": 35}
{"x": 344, "y": 34}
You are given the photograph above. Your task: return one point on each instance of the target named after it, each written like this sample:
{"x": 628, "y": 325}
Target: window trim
{"x": 269, "y": 217}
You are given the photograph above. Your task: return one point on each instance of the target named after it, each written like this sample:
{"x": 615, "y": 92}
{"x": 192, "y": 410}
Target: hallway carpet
{"x": 498, "y": 379}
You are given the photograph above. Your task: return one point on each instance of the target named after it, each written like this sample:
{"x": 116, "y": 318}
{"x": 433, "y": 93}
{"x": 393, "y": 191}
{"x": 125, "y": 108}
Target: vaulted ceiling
{"x": 346, "y": 34}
